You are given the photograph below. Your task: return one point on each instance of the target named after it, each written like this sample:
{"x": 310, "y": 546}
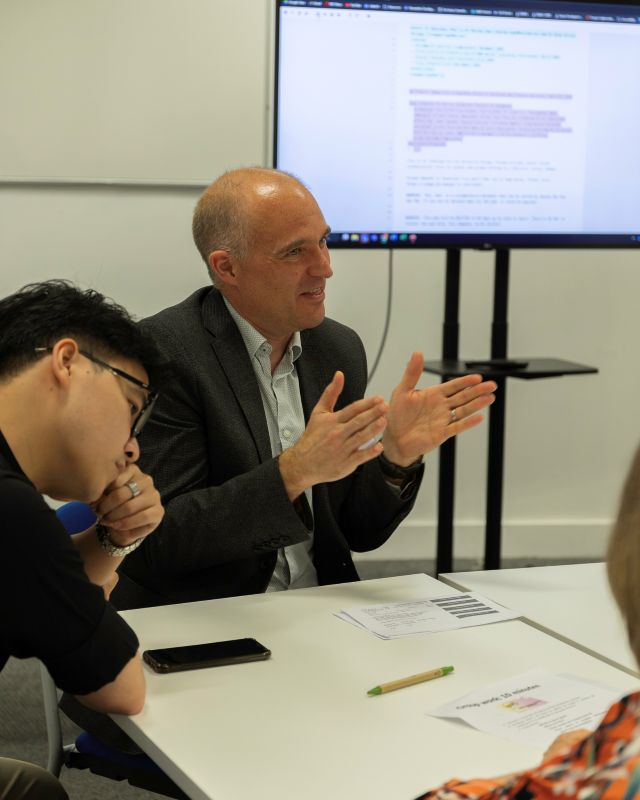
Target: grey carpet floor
{"x": 22, "y": 727}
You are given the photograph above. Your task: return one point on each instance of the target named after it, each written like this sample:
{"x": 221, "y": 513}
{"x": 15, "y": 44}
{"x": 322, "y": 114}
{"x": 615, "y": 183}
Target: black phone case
{"x": 164, "y": 667}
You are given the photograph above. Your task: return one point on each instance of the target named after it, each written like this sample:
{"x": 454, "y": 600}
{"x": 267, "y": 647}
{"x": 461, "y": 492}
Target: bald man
{"x": 272, "y": 465}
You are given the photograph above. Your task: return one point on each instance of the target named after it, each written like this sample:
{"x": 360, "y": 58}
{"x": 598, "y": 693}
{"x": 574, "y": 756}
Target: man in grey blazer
{"x": 271, "y": 464}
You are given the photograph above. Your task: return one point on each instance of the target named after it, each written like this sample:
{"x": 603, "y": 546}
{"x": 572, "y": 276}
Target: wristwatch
{"x": 102, "y": 532}
{"x": 396, "y": 471}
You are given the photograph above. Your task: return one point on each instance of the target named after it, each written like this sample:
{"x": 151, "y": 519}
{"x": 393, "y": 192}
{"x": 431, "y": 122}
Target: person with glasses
{"x": 272, "y": 464}
{"x": 74, "y": 396}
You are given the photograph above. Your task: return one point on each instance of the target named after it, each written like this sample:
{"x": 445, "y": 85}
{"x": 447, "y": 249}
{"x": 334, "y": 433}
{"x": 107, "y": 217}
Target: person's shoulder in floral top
{"x": 582, "y": 765}
{"x": 603, "y": 766}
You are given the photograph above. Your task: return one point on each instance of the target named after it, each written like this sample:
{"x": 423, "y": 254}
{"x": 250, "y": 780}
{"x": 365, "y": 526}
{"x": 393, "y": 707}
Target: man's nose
{"x": 322, "y": 263}
{"x": 132, "y": 450}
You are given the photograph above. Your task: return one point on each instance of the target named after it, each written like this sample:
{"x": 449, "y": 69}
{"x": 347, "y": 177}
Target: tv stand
{"x": 497, "y": 368}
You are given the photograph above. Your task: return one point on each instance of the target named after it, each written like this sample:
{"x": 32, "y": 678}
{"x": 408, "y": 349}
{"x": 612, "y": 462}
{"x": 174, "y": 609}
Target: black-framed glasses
{"x": 152, "y": 395}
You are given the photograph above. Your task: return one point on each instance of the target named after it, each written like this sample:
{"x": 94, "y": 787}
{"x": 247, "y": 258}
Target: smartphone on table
{"x": 211, "y": 654}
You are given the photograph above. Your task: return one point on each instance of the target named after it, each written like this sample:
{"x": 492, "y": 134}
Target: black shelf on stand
{"x": 498, "y": 368}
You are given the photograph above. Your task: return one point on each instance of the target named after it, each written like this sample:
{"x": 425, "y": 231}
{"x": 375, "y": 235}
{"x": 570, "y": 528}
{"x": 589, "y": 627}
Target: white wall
{"x": 72, "y": 78}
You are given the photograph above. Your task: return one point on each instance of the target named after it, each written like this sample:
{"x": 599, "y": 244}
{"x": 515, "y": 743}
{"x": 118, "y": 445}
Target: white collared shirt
{"x": 280, "y": 393}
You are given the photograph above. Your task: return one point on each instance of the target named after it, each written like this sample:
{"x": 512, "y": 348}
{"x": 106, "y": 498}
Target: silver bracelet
{"x": 111, "y": 549}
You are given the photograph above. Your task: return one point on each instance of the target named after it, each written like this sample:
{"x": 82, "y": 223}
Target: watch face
{"x": 102, "y": 532}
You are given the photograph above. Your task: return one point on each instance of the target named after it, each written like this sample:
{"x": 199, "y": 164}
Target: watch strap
{"x": 114, "y": 550}
{"x": 392, "y": 470}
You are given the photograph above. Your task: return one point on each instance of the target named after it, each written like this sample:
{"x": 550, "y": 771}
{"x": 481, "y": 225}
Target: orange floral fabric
{"x": 604, "y": 766}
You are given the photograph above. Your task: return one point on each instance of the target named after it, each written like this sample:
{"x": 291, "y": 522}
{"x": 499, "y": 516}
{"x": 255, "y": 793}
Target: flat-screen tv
{"x": 505, "y": 123}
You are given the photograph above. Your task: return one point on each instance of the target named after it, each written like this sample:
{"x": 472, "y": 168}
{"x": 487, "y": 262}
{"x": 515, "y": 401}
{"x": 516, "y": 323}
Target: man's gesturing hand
{"x": 329, "y": 447}
{"x": 420, "y": 420}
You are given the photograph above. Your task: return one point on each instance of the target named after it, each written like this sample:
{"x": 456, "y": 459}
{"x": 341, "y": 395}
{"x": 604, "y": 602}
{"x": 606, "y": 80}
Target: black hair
{"x": 40, "y": 314}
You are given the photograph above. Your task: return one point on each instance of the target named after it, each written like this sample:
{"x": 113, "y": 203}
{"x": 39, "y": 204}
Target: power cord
{"x": 387, "y": 317}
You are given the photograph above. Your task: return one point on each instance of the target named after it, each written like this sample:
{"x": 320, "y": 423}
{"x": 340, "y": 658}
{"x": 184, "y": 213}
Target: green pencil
{"x": 410, "y": 681}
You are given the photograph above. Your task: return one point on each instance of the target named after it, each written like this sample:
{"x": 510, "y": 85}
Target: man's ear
{"x": 222, "y": 267}
{"x": 64, "y": 354}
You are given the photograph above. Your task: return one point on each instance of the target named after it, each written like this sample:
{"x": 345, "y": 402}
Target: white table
{"x": 301, "y": 725}
{"x": 572, "y": 602}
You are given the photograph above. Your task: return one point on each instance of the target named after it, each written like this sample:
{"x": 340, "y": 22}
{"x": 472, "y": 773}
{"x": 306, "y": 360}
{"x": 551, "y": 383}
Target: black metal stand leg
{"x": 447, "y": 456}
{"x": 495, "y": 459}
{"x": 446, "y": 483}
{"x": 495, "y": 473}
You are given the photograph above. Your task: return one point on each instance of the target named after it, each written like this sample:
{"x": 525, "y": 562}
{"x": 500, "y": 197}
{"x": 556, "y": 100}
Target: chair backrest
{"x": 76, "y": 516}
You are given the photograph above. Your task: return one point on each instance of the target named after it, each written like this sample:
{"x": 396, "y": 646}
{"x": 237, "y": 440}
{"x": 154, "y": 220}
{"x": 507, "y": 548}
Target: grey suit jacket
{"x": 207, "y": 448}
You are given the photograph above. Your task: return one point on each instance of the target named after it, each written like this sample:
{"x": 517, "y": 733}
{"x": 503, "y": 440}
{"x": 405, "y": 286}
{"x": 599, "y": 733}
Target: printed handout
{"x": 431, "y": 615}
{"x": 534, "y": 707}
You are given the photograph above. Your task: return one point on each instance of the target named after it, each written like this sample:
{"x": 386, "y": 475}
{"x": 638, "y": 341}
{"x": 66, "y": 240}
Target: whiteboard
{"x": 132, "y": 90}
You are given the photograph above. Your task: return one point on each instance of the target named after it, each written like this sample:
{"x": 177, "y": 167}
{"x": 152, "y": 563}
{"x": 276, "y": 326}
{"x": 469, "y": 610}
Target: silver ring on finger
{"x": 453, "y": 415}
{"x": 133, "y": 488}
